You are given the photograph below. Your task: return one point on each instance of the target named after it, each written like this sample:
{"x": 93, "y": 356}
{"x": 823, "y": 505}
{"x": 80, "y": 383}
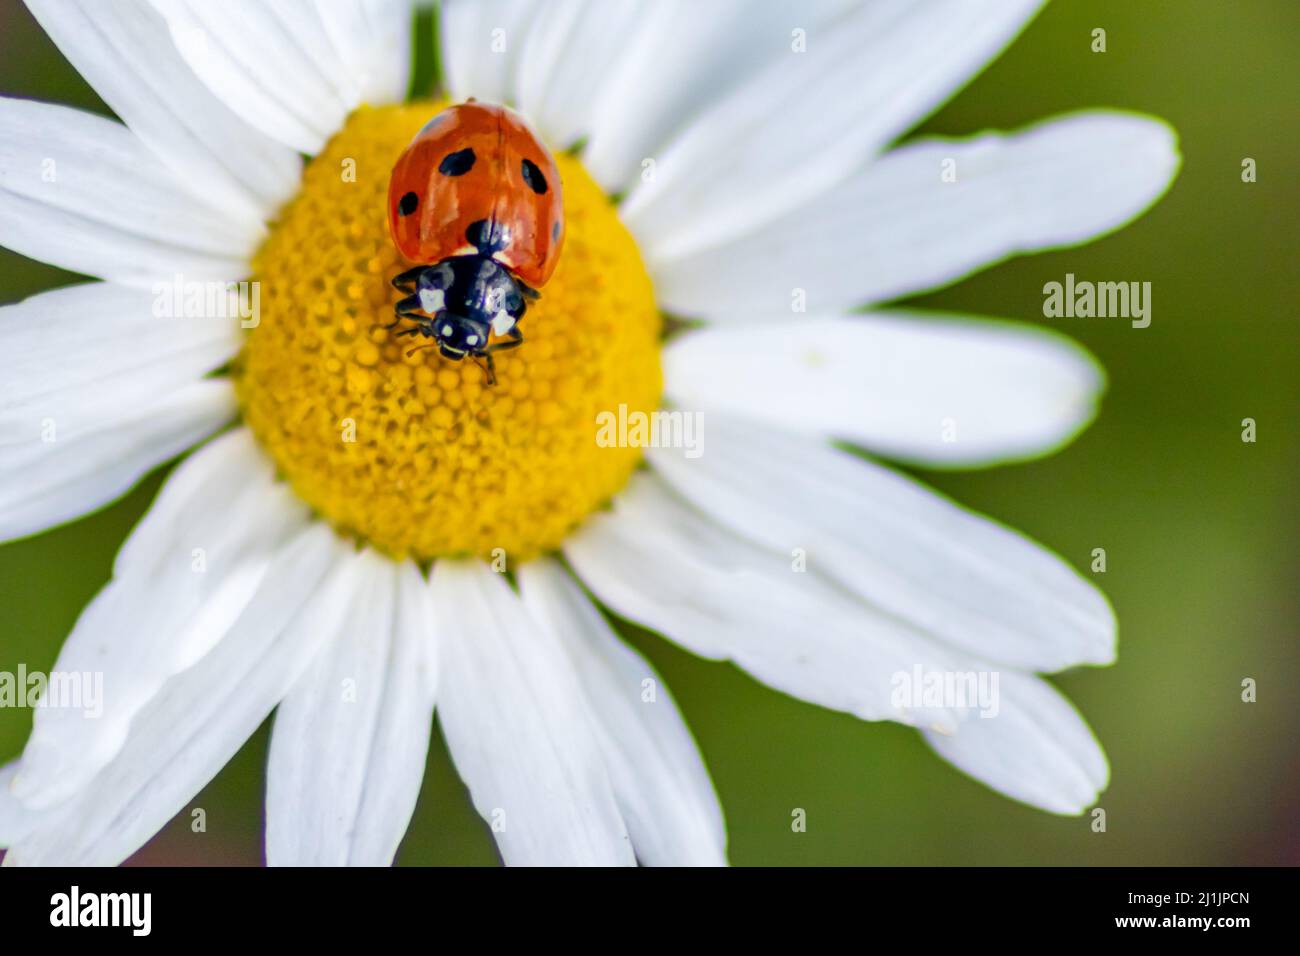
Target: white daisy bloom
{"x": 749, "y": 146}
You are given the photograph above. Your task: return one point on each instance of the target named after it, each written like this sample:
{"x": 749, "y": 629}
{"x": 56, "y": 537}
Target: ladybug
{"x": 475, "y": 199}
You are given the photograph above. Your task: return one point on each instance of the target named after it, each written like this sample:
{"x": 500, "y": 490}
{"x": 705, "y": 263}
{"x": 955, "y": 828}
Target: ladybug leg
{"x": 407, "y": 306}
{"x": 406, "y": 280}
{"x": 422, "y": 327}
{"x": 516, "y": 340}
{"x": 406, "y": 309}
{"x": 528, "y": 291}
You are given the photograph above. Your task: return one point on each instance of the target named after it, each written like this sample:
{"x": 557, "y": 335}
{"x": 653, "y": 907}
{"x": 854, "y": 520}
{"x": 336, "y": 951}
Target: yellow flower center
{"x": 417, "y": 454}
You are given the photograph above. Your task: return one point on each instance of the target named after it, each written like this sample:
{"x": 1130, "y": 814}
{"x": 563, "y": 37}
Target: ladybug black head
{"x": 460, "y": 303}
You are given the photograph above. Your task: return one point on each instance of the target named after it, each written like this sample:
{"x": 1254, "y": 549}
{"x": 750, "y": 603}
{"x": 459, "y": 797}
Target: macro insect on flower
{"x": 353, "y": 499}
{"x": 477, "y": 199}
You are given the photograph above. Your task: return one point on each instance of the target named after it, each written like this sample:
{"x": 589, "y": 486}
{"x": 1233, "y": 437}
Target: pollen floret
{"x": 415, "y": 454}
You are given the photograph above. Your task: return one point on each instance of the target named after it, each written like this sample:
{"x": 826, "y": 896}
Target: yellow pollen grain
{"x": 415, "y": 454}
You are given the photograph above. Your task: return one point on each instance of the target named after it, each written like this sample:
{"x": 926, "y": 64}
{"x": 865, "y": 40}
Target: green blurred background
{"x": 1199, "y": 527}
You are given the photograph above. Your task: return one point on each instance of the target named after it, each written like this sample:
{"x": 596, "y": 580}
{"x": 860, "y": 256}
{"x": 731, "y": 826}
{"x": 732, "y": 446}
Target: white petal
{"x": 941, "y": 390}
{"x": 657, "y": 561}
{"x": 401, "y": 743}
{"x": 660, "y": 782}
{"x": 15, "y": 819}
{"x": 180, "y": 580}
{"x": 201, "y": 717}
{"x": 950, "y": 572}
{"x": 661, "y": 563}
{"x": 246, "y": 55}
{"x": 348, "y": 749}
{"x": 295, "y": 70}
{"x": 628, "y": 73}
{"x": 373, "y": 41}
{"x": 1037, "y": 749}
{"x": 46, "y": 483}
{"x": 95, "y": 392}
{"x": 899, "y": 227}
{"x": 125, "y": 52}
{"x": 83, "y": 193}
{"x": 482, "y": 41}
{"x": 548, "y": 47}
{"x": 517, "y": 727}
{"x": 679, "y": 56}
{"x": 810, "y": 119}
{"x": 565, "y": 55}
{"x": 86, "y": 355}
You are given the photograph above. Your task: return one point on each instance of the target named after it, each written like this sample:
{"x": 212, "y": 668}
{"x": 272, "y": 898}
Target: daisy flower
{"x": 331, "y": 547}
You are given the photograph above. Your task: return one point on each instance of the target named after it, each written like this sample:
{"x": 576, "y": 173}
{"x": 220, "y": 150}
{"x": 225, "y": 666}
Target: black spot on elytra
{"x": 533, "y": 177}
{"x": 408, "y": 204}
{"x": 457, "y": 163}
{"x": 488, "y": 236}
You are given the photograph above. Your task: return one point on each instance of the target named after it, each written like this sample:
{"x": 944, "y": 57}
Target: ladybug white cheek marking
{"x": 502, "y": 322}
{"x": 432, "y": 300}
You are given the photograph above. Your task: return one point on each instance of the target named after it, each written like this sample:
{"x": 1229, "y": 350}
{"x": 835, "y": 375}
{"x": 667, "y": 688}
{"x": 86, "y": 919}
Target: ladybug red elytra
{"x": 476, "y": 201}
